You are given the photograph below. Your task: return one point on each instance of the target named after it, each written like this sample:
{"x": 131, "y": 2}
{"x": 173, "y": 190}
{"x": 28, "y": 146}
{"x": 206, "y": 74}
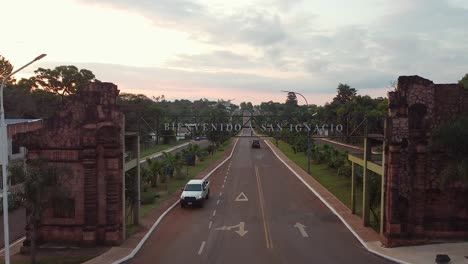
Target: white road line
{"x": 143, "y": 240}
{"x": 217, "y": 202}
{"x": 210, "y": 224}
{"x": 222, "y": 186}
{"x": 214, "y": 212}
{"x": 220, "y": 193}
{"x": 201, "y": 248}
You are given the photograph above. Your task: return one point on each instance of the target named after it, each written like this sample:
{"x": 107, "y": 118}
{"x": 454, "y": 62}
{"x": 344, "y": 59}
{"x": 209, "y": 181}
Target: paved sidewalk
{"x": 370, "y": 239}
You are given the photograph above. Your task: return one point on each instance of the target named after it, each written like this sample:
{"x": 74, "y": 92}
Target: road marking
{"x": 217, "y": 202}
{"x": 266, "y": 228}
{"x": 241, "y": 197}
{"x": 241, "y": 232}
{"x": 222, "y": 186}
{"x": 14, "y": 243}
{"x": 220, "y": 193}
{"x": 214, "y": 212}
{"x": 201, "y": 248}
{"x": 210, "y": 224}
{"x": 301, "y": 229}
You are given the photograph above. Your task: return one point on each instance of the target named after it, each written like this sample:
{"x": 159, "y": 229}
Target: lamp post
{"x": 4, "y": 160}
{"x": 308, "y": 131}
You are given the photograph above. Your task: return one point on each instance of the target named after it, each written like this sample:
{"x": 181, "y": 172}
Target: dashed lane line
{"x": 202, "y": 246}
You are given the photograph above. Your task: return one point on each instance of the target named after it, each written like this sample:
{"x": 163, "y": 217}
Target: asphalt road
{"x": 277, "y": 220}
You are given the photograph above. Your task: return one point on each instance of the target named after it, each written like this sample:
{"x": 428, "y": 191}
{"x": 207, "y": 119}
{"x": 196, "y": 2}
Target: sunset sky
{"x": 242, "y": 50}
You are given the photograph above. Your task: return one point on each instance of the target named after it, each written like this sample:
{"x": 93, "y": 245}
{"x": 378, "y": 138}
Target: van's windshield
{"x": 193, "y": 187}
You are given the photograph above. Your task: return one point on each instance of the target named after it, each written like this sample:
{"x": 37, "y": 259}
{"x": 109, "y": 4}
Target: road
{"x": 258, "y": 212}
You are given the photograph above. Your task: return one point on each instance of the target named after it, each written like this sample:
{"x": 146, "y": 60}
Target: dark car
{"x": 255, "y": 143}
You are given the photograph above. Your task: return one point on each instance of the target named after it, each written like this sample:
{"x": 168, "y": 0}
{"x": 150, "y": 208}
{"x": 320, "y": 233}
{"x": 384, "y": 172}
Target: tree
{"x": 155, "y": 166}
{"x": 63, "y": 80}
{"x": 345, "y": 93}
{"x": 191, "y": 153}
{"x": 5, "y": 67}
{"x": 451, "y": 139}
{"x": 291, "y": 100}
{"x": 246, "y": 106}
{"x": 39, "y": 188}
{"x": 464, "y": 81}
{"x": 172, "y": 164}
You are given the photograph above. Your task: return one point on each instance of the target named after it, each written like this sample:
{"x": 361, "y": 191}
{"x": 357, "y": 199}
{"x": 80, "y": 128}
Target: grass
{"x": 175, "y": 184}
{"x": 339, "y": 186}
{"x": 158, "y": 148}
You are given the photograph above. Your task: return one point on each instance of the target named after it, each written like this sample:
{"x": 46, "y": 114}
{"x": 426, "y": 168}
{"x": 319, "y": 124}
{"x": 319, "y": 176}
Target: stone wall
{"x": 86, "y": 137}
{"x": 417, "y": 209}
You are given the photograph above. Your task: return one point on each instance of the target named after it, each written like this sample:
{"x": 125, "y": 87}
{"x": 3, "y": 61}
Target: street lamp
{"x": 4, "y": 160}
{"x": 308, "y": 131}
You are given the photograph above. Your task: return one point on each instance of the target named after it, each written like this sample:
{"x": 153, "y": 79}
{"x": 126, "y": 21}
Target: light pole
{"x": 4, "y": 160}
{"x": 308, "y": 131}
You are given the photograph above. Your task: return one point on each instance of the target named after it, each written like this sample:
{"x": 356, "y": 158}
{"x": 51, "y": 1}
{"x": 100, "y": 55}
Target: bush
{"x": 147, "y": 198}
{"x": 14, "y": 202}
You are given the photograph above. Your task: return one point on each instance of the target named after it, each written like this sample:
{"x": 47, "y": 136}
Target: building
{"x": 17, "y": 152}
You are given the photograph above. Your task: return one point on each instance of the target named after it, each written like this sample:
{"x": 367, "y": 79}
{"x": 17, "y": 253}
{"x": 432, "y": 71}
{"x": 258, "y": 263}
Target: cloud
{"x": 218, "y": 59}
{"x": 160, "y": 11}
{"x": 425, "y": 37}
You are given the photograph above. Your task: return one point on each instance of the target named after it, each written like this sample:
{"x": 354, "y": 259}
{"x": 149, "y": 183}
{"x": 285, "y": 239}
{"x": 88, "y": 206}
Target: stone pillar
{"x": 392, "y": 221}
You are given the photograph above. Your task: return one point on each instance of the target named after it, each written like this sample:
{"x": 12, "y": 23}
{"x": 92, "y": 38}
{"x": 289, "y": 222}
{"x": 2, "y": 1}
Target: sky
{"x": 245, "y": 50}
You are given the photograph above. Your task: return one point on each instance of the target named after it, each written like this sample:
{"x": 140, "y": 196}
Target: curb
{"x": 143, "y": 240}
{"x": 159, "y": 153}
{"x": 364, "y": 244}
{"x": 12, "y": 244}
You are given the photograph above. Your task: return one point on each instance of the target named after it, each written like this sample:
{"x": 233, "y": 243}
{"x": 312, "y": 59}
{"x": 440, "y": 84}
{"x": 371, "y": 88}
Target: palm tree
{"x": 191, "y": 153}
{"x": 172, "y": 163}
{"x": 155, "y": 167}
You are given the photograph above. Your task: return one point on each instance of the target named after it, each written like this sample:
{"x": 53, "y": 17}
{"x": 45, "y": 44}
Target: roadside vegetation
{"x": 160, "y": 178}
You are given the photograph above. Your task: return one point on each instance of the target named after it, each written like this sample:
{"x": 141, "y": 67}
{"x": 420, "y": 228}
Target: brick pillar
{"x": 392, "y": 219}
{"x": 90, "y": 197}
